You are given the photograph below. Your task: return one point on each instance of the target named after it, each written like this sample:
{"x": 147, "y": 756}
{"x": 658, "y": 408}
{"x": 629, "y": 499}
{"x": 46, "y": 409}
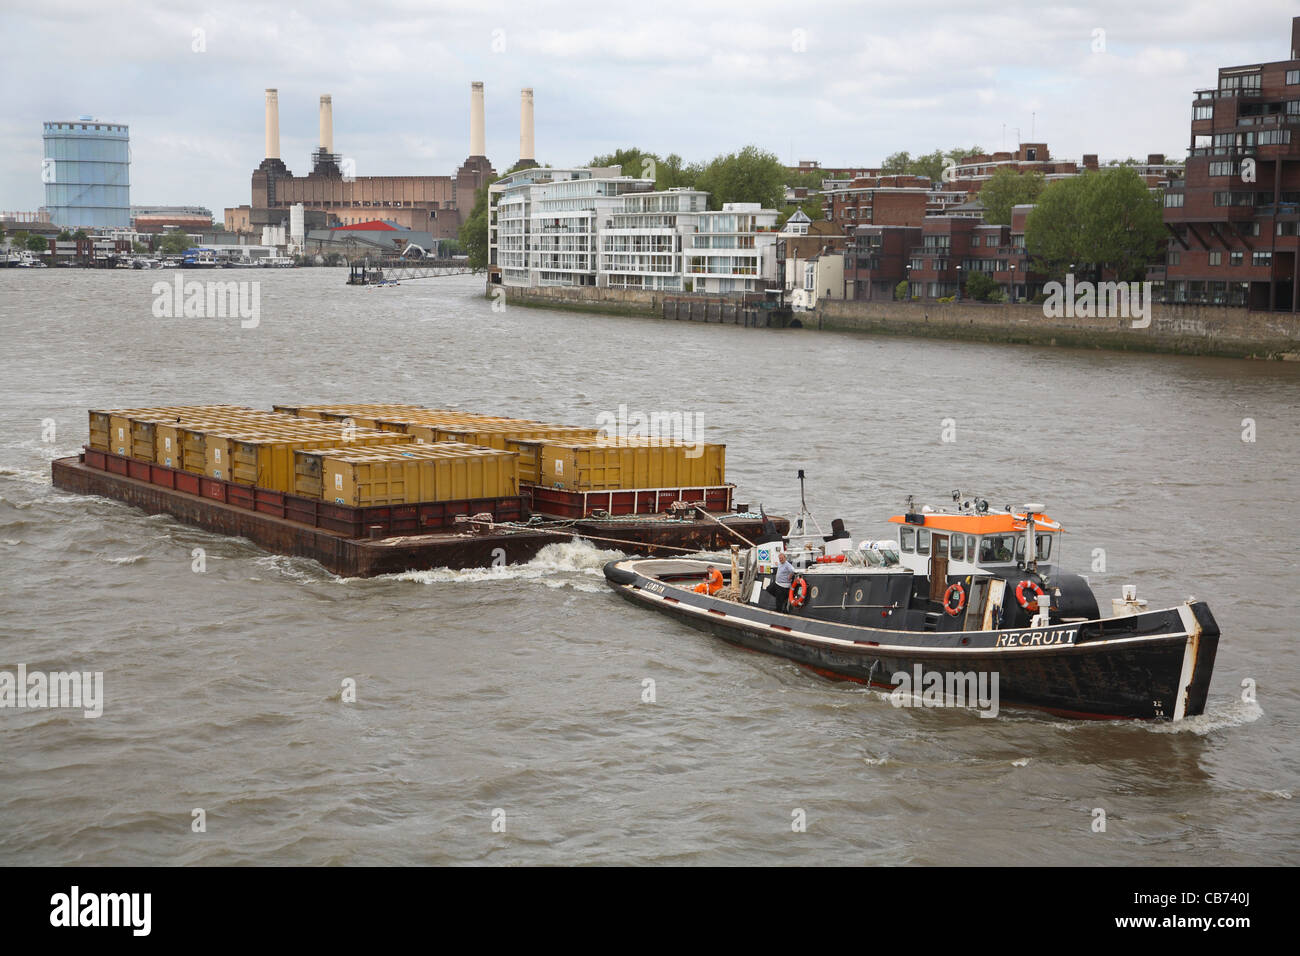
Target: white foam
{"x": 1022, "y": 762}
{"x": 1217, "y": 716}
{"x": 561, "y": 558}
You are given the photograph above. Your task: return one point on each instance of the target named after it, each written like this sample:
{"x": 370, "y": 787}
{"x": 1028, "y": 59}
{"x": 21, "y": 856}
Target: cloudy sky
{"x": 844, "y": 83}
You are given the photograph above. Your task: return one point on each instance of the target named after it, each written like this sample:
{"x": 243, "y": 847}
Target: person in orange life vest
{"x": 713, "y": 585}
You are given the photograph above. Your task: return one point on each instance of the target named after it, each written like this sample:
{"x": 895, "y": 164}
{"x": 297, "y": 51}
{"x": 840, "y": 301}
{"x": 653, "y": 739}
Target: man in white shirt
{"x": 780, "y": 586}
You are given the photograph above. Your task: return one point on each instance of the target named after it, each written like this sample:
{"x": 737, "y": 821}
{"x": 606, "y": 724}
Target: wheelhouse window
{"x": 922, "y": 541}
{"x": 970, "y": 547}
{"x": 907, "y": 539}
{"x": 941, "y": 545}
{"x": 998, "y": 548}
{"x": 1044, "y": 546}
{"x": 958, "y": 547}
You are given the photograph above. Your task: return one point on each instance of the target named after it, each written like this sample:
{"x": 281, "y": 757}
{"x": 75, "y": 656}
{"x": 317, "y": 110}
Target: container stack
{"x": 386, "y": 455}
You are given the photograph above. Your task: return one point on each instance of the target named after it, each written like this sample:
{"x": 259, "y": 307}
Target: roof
{"x": 799, "y": 216}
{"x": 374, "y": 225}
{"x": 976, "y": 523}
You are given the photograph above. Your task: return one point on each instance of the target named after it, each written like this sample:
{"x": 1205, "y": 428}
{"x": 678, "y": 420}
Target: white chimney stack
{"x": 477, "y": 145}
{"x": 526, "y": 124}
{"x": 327, "y": 123}
{"x": 272, "y": 124}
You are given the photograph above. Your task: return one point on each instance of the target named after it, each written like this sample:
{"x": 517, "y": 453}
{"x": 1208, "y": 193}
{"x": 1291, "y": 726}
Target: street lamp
{"x": 1013, "y": 283}
{"x": 958, "y": 283}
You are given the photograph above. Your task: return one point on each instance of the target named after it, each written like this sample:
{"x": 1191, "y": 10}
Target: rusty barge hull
{"x": 365, "y": 557}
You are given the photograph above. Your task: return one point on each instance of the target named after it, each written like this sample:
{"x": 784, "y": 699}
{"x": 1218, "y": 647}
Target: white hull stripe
{"x": 1189, "y": 660}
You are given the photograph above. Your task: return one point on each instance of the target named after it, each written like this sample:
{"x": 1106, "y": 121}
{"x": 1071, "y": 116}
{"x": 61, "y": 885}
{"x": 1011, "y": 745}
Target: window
{"x": 1202, "y": 112}
{"x": 958, "y": 547}
{"x": 1216, "y": 258}
{"x": 998, "y": 548}
{"x": 1044, "y": 546}
{"x": 1292, "y": 77}
{"x": 1174, "y": 199}
{"x": 1223, "y": 169}
{"x": 941, "y": 545}
{"x": 970, "y": 547}
{"x": 1292, "y": 107}
{"x": 1234, "y": 258}
{"x": 1261, "y": 259}
{"x": 922, "y": 541}
{"x": 907, "y": 539}
{"x": 1286, "y": 228}
{"x": 1173, "y": 258}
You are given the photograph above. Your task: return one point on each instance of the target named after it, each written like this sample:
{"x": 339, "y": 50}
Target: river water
{"x": 512, "y": 699}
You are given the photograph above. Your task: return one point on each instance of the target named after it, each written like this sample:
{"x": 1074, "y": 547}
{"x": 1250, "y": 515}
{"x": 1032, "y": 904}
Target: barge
{"x": 364, "y": 542}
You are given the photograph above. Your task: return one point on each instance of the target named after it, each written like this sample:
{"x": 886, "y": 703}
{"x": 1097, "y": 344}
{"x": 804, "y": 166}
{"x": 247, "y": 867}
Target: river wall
{"x": 1183, "y": 329}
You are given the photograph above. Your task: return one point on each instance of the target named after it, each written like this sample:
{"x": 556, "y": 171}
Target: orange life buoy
{"x": 798, "y": 592}
{"x": 961, "y": 599}
{"x": 1020, "y": 594}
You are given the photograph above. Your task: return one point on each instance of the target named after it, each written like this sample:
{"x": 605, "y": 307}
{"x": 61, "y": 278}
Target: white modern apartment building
{"x": 545, "y": 224}
{"x": 733, "y": 249}
{"x": 643, "y": 246}
{"x": 598, "y": 227}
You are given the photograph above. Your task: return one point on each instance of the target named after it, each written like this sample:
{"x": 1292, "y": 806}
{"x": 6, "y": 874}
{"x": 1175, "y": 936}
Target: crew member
{"x": 714, "y": 583}
{"x": 780, "y": 586}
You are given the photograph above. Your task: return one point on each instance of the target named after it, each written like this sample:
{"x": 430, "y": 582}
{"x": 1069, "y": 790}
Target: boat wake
{"x": 564, "y": 557}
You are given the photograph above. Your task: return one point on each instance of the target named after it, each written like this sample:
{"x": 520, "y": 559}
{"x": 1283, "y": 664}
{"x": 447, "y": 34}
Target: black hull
{"x": 1157, "y": 668}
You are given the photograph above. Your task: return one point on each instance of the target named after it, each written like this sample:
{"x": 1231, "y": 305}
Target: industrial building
{"x": 86, "y": 172}
{"x": 436, "y": 205}
{"x": 162, "y": 218}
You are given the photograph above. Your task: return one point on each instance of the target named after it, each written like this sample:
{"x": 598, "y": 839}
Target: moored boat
{"x": 959, "y": 595}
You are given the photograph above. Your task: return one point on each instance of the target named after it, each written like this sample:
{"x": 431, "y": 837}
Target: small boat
{"x": 962, "y": 597}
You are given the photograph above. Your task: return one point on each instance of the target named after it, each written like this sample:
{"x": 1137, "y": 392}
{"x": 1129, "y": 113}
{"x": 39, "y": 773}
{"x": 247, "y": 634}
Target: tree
{"x": 473, "y": 235}
{"x": 1103, "y": 219}
{"x": 37, "y": 243}
{"x": 931, "y": 165}
{"x": 63, "y": 236}
{"x": 750, "y": 175}
{"x": 812, "y": 208}
{"x": 139, "y": 247}
{"x": 896, "y": 163}
{"x": 902, "y": 292}
{"x": 174, "y": 243}
{"x": 981, "y": 286}
{"x": 635, "y": 162}
{"x": 1007, "y": 188}
{"x": 80, "y": 234}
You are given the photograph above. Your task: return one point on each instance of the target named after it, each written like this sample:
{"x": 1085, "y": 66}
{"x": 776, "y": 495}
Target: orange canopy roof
{"x": 979, "y": 524}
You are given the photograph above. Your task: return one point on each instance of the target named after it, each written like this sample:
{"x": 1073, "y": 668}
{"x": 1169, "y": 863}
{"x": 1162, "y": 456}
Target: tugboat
{"x": 961, "y": 596}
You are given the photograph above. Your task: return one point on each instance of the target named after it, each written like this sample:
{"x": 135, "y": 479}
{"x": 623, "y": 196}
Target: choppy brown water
{"x": 520, "y": 688}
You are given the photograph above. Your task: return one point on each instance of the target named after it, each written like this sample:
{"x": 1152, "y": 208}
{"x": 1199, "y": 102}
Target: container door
{"x": 938, "y": 566}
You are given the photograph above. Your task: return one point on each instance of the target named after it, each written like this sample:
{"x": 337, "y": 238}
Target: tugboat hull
{"x": 1155, "y": 665}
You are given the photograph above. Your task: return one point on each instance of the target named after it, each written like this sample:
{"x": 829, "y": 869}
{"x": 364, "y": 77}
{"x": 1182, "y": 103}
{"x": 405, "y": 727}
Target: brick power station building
{"x": 433, "y": 204}
{"x": 1234, "y": 217}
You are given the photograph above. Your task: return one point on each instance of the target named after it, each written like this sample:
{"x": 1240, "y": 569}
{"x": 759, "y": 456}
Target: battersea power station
{"x": 331, "y": 195}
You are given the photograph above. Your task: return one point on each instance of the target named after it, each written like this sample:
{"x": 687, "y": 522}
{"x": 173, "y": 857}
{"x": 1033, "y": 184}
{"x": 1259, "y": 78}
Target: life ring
{"x": 1020, "y": 594}
{"x": 961, "y": 599}
{"x": 798, "y": 592}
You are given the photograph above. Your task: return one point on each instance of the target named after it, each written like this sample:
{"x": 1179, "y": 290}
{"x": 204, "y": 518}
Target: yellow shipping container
{"x": 267, "y": 460}
{"x": 606, "y": 464}
{"x": 406, "y": 474}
